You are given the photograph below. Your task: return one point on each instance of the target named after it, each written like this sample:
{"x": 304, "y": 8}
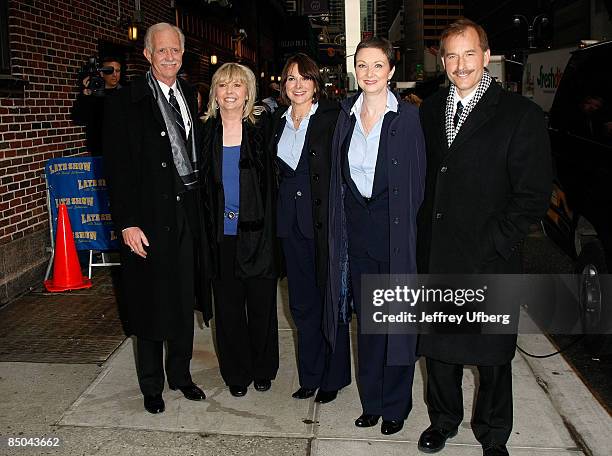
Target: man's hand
{"x": 134, "y": 238}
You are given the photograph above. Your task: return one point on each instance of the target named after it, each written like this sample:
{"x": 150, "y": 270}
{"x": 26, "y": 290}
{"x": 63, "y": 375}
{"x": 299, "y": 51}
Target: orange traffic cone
{"x": 66, "y": 267}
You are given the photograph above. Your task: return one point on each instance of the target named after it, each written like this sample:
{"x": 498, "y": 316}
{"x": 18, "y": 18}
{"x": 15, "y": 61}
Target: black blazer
{"x": 318, "y": 149}
{"x": 481, "y": 196}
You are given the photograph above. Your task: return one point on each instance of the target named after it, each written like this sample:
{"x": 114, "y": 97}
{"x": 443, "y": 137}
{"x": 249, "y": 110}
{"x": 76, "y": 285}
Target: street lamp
{"x": 517, "y": 19}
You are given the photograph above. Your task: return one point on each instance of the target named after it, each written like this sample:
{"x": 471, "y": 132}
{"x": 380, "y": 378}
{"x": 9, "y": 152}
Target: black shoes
{"x": 366, "y": 420}
{"x": 238, "y": 391}
{"x": 154, "y": 404}
{"x": 433, "y": 439}
{"x": 323, "y": 397}
{"x": 494, "y": 450}
{"x": 262, "y": 385}
{"x": 191, "y": 392}
{"x": 304, "y": 393}
{"x": 391, "y": 426}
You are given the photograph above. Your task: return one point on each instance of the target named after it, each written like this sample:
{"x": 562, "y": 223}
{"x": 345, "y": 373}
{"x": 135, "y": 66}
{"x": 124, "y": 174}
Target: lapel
{"x": 279, "y": 125}
{"x": 482, "y": 112}
{"x": 346, "y": 170}
{"x": 141, "y": 91}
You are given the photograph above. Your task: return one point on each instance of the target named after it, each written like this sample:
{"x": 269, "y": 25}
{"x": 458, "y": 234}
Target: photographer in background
{"x": 88, "y": 109}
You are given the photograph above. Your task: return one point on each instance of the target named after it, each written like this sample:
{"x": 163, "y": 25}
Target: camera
{"x": 92, "y": 69}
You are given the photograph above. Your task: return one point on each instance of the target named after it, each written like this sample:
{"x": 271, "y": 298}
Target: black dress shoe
{"x": 366, "y": 420}
{"x": 391, "y": 426}
{"x": 494, "y": 450}
{"x": 154, "y": 404}
{"x": 304, "y": 393}
{"x": 323, "y": 397}
{"x": 238, "y": 391}
{"x": 433, "y": 439}
{"x": 262, "y": 385}
{"x": 191, "y": 392}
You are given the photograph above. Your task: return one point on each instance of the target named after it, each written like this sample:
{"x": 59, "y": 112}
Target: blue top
{"x": 231, "y": 189}
{"x": 292, "y": 141}
{"x": 363, "y": 150}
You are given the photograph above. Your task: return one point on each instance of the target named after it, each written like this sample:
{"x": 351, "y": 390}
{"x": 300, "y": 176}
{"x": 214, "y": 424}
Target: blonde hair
{"x": 148, "y": 39}
{"x": 229, "y": 72}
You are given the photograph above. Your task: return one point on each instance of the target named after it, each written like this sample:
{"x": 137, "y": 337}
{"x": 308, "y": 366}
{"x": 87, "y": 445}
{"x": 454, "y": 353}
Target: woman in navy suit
{"x": 302, "y": 145}
{"x": 376, "y": 188}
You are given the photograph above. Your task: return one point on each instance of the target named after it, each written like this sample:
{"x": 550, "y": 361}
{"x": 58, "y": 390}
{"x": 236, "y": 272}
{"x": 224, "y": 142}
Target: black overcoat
{"x": 318, "y": 147}
{"x": 142, "y": 182}
{"x": 482, "y": 194}
{"x": 405, "y": 164}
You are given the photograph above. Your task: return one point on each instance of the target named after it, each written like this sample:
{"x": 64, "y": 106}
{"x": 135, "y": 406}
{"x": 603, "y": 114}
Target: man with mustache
{"x": 489, "y": 177}
{"x": 152, "y": 153}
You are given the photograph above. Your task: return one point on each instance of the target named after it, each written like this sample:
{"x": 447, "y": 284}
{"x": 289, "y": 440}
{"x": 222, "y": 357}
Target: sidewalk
{"x": 98, "y": 410}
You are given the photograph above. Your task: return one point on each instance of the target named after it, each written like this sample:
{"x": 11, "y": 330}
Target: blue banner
{"x": 80, "y": 184}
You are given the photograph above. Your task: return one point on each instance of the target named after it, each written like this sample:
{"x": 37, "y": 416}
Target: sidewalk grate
{"x": 75, "y": 328}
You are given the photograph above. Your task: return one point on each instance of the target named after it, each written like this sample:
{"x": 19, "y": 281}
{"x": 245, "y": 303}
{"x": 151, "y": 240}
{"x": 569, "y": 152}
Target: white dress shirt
{"x": 363, "y": 149}
{"x": 292, "y": 140}
{"x": 181, "y": 102}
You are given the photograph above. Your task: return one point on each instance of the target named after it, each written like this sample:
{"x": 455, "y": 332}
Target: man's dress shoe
{"x": 323, "y": 397}
{"x": 262, "y": 385}
{"x": 191, "y": 392}
{"x": 494, "y": 450}
{"x": 237, "y": 390}
{"x": 304, "y": 393}
{"x": 391, "y": 426}
{"x": 366, "y": 420}
{"x": 154, "y": 404}
{"x": 433, "y": 439}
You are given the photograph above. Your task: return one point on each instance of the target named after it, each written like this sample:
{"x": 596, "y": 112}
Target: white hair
{"x": 148, "y": 39}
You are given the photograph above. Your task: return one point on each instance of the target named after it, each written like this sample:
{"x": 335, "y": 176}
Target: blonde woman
{"x": 239, "y": 174}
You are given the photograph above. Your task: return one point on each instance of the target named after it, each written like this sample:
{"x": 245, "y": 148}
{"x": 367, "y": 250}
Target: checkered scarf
{"x": 451, "y": 130}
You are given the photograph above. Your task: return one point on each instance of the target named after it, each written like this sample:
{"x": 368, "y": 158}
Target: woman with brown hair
{"x": 302, "y": 146}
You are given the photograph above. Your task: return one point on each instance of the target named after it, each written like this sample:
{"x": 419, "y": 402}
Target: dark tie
{"x": 177, "y": 114}
{"x": 457, "y": 114}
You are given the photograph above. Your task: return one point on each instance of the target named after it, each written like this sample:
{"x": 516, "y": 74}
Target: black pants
{"x": 492, "y": 420}
{"x": 245, "y": 322}
{"x": 318, "y": 367}
{"x": 384, "y": 390}
{"x": 149, "y": 353}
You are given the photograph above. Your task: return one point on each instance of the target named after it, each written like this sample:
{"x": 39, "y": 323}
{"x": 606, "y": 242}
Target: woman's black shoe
{"x": 323, "y": 397}
{"x": 238, "y": 391}
{"x": 262, "y": 385}
{"x": 366, "y": 420}
{"x": 391, "y": 426}
{"x": 304, "y": 393}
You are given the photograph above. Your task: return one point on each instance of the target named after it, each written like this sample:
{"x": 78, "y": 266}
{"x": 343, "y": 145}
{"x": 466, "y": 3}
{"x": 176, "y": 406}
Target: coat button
{"x": 395, "y": 191}
{"x": 315, "y": 177}
{"x": 178, "y": 197}
{"x": 166, "y": 228}
{"x": 298, "y": 193}
{"x": 396, "y": 250}
{"x": 318, "y": 225}
{"x": 164, "y": 164}
{"x": 396, "y": 220}
{"x": 439, "y": 216}
{"x": 393, "y": 132}
{"x": 443, "y": 169}
{"x": 317, "y": 201}
{"x": 163, "y": 133}
{"x": 313, "y": 153}
{"x": 394, "y": 161}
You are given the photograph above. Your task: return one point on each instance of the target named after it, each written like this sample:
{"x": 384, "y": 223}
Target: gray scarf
{"x": 185, "y": 160}
{"x": 451, "y": 130}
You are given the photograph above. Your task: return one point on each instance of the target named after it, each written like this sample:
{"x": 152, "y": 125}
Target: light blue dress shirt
{"x": 292, "y": 141}
{"x": 363, "y": 150}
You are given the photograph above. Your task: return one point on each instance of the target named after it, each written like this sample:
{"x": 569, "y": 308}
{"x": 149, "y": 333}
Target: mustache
{"x": 462, "y": 72}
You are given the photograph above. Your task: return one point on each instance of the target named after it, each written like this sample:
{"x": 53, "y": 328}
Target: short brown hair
{"x": 377, "y": 42}
{"x": 459, "y": 27}
{"x": 309, "y": 69}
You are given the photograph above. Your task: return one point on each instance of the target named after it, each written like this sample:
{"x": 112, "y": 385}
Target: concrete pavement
{"x": 98, "y": 410}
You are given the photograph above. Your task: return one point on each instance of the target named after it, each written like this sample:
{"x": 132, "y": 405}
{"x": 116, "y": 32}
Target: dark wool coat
{"x": 257, "y": 250}
{"x": 405, "y": 164}
{"x": 142, "y": 182}
{"x": 318, "y": 149}
{"x": 482, "y": 194}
